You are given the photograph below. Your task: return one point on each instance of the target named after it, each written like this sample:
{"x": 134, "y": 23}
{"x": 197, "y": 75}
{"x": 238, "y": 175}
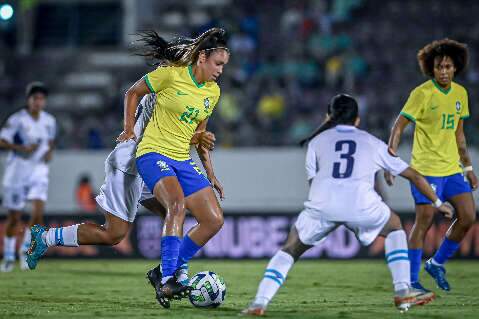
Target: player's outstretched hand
{"x": 389, "y": 178}
{"x": 217, "y": 186}
{"x": 447, "y": 210}
{"x": 207, "y": 140}
{"x": 471, "y": 177}
{"x": 125, "y": 136}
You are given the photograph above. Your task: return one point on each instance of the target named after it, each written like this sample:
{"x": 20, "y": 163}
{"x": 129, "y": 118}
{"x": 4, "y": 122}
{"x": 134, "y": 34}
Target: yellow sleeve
{"x": 158, "y": 79}
{"x": 465, "y": 108}
{"x": 414, "y": 106}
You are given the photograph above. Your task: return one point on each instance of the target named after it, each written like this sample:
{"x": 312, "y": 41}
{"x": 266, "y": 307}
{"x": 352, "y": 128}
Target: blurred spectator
{"x": 85, "y": 196}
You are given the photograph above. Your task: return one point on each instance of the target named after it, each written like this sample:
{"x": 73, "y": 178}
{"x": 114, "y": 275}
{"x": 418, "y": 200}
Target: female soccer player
{"x": 119, "y": 196}
{"x": 341, "y": 163}
{"x": 438, "y": 108}
{"x": 186, "y": 96}
{"x": 29, "y": 135}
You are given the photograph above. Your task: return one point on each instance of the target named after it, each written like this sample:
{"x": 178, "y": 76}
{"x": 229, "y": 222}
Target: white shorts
{"x": 121, "y": 193}
{"x": 14, "y": 198}
{"x": 312, "y": 228}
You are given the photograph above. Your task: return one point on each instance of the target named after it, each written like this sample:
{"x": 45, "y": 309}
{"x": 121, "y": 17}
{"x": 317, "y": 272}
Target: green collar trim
{"x": 190, "y": 71}
{"x": 440, "y": 88}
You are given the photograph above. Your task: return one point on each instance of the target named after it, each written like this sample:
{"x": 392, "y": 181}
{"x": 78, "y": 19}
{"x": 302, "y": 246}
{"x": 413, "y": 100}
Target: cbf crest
{"x": 206, "y": 103}
{"x": 163, "y": 166}
{"x": 458, "y": 106}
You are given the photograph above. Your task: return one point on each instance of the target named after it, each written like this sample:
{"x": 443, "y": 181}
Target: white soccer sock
{"x": 274, "y": 277}
{"x": 397, "y": 258}
{"x": 62, "y": 236}
{"x": 27, "y": 238}
{"x": 9, "y": 248}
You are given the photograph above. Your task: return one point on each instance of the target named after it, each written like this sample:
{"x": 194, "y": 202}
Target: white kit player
{"x": 29, "y": 136}
{"x": 341, "y": 163}
{"x": 119, "y": 196}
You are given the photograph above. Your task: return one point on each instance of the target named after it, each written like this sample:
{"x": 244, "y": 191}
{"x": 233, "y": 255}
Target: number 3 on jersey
{"x": 347, "y": 149}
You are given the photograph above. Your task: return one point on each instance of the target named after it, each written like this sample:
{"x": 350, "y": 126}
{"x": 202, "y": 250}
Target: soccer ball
{"x": 208, "y": 290}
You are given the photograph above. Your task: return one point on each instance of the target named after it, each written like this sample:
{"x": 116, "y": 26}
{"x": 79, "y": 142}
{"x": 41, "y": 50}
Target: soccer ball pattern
{"x": 208, "y": 290}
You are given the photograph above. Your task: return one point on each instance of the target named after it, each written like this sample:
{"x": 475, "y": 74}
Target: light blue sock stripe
{"x": 57, "y": 234}
{"x": 274, "y": 279}
{"x": 398, "y": 251}
{"x": 397, "y": 259}
{"x": 276, "y": 273}
{"x": 61, "y": 236}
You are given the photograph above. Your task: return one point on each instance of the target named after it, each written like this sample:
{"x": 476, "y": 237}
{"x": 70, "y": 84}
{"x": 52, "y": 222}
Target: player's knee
{"x": 176, "y": 208}
{"x": 114, "y": 238}
{"x": 217, "y": 223}
{"x": 467, "y": 221}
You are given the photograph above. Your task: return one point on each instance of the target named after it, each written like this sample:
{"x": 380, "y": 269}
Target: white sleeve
{"x": 311, "y": 162}
{"x": 389, "y": 162}
{"x": 10, "y": 129}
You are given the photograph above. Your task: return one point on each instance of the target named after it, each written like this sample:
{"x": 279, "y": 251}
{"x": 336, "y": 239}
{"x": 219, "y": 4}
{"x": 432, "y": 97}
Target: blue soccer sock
{"x": 415, "y": 256}
{"x": 170, "y": 246}
{"x": 188, "y": 249}
{"x": 446, "y": 251}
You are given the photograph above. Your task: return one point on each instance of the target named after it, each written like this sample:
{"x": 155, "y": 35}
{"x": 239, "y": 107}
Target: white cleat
{"x": 7, "y": 265}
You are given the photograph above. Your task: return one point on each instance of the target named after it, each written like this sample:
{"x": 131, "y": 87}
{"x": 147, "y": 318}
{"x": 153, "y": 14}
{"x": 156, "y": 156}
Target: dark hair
{"x": 343, "y": 109}
{"x": 36, "y": 87}
{"x": 457, "y": 51}
{"x": 180, "y": 51}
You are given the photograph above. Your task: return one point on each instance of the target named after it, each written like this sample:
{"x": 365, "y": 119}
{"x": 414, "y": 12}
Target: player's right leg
{"x": 163, "y": 183}
{"x": 396, "y": 253}
{"x": 118, "y": 198}
{"x": 306, "y": 233}
{"x": 424, "y": 219}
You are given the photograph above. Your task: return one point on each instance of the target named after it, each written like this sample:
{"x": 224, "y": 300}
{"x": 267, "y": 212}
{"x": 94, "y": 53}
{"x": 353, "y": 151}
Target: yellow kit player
{"x": 438, "y": 108}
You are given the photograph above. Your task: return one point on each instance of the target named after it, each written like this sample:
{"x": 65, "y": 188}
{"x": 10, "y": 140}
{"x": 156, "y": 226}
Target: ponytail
{"x": 180, "y": 51}
{"x": 343, "y": 109}
{"x": 329, "y": 123}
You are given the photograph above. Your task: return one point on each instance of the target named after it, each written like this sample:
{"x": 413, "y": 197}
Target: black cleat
{"x": 172, "y": 289}
{"x": 154, "y": 276}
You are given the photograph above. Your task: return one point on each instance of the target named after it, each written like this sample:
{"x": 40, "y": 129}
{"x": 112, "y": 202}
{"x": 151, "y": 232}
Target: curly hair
{"x": 457, "y": 51}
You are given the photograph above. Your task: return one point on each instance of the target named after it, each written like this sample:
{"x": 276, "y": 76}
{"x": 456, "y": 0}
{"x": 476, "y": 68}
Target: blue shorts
{"x": 153, "y": 167}
{"x": 445, "y": 188}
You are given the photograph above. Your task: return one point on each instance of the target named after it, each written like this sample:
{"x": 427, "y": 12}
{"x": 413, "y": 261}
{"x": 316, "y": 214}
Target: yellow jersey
{"x": 436, "y": 112}
{"x": 181, "y": 104}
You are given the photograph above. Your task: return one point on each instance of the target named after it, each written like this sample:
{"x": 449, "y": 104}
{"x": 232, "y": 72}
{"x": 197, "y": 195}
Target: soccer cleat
{"x": 37, "y": 246}
{"x": 438, "y": 273}
{"x": 154, "y": 276}
{"x": 423, "y": 296}
{"x": 7, "y": 265}
{"x": 254, "y": 310}
{"x": 172, "y": 289}
{"x": 405, "y": 299}
{"x": 181, "y": 275}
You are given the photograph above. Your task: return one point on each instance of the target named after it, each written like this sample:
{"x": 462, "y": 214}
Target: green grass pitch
{"x": 314, "y": 289}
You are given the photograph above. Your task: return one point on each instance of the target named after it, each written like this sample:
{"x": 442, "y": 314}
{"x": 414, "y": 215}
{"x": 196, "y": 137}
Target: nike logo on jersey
{"x": 181, "y": 93}
{"x": 434, "y": 107}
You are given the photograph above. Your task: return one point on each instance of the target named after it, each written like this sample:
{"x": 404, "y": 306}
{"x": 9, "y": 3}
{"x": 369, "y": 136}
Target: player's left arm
{"x": 464, "y": 154}
{"x": 204, "y": 155}
{"x": 51, "y": 143}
